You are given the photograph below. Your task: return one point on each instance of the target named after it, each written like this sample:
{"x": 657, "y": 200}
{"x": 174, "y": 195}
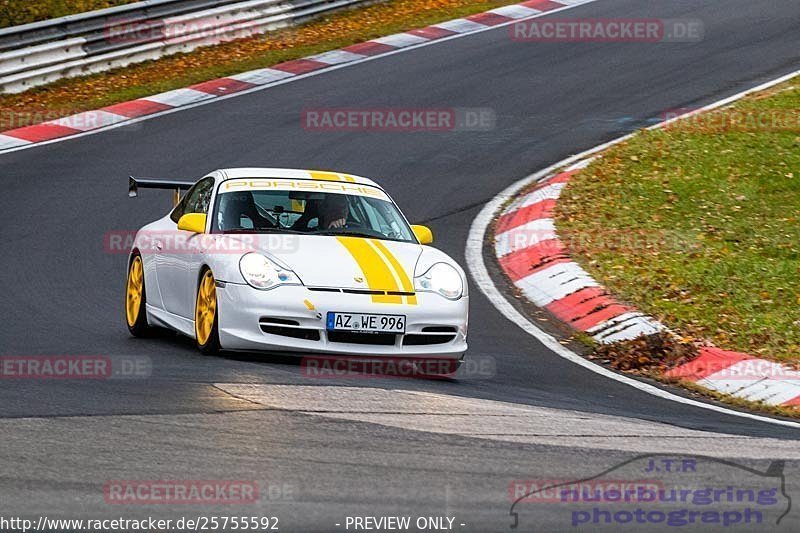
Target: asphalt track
{"x": 355, "y": 447}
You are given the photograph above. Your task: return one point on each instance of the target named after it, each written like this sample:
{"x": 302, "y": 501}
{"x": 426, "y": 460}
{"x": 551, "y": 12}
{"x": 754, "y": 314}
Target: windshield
{"x": 311, "y": 212}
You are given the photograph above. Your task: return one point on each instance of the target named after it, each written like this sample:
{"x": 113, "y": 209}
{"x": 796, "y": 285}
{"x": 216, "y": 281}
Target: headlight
{"x": 261, "y": 273}
{"x": 441, "y": 278}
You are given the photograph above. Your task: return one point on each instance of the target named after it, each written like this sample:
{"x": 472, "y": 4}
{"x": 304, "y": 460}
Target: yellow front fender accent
{"x": 194, "y": 222}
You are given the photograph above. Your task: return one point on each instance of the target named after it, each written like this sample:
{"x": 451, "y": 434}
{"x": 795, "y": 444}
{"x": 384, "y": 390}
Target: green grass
{"x": 16, "y": 12}
{"x": 700, "y": 225}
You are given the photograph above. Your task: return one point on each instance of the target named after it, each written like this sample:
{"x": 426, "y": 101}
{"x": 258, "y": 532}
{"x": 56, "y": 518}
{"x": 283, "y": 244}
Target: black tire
{"x": 135, "y": 311}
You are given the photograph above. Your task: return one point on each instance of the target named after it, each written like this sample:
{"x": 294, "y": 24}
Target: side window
{"x": 383, "y": 219}
{"x": 177, "y": 213}
{"x": 356, "y": 214}
{"x": 376, "y": 218}
{"x": 196, "y": 200}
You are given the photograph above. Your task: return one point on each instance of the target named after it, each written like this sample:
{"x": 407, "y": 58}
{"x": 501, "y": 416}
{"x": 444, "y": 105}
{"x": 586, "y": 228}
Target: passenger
{"x": 330, "y": 213}
{"x": 237, "y": 205}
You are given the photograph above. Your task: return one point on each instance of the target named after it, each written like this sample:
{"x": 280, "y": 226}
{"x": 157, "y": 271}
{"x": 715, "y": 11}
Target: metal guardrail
{"x": 42, "y": 52}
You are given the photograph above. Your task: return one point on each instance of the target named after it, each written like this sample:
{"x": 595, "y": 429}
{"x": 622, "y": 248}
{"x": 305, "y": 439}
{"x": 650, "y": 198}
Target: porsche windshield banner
{"x": 282, "y": 184}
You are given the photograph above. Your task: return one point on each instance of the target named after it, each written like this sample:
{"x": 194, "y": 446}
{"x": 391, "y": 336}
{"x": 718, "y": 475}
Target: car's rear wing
{"x": 134, "y": 184}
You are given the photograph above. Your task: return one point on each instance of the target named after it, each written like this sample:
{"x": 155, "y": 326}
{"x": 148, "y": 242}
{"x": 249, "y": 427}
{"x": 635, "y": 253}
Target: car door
{"x": 181, "y": 253}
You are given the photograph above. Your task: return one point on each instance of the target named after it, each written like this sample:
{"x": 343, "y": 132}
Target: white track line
{"x": 477, "y": 267}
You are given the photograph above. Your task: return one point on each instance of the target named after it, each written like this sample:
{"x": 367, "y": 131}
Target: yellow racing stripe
{"x": 331, "y": 176}
{"x": 398, "y": 268}
{"x": 374, "y": 268}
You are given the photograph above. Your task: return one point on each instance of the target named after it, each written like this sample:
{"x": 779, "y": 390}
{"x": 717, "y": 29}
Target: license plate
{"x": 366, "y": 323}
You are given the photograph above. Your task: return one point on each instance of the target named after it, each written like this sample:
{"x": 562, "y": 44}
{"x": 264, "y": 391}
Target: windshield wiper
{"x": 351, "y": 234}
{"x": 261, "y": 230}
{"x": 363, "y": 234}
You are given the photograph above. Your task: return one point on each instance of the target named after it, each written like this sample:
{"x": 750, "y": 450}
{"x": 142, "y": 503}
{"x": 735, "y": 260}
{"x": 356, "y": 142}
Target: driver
{"x": 333, "y": 211}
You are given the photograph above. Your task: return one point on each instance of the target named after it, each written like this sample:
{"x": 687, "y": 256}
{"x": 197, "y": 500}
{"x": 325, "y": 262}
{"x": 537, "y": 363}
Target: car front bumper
{"x": 292, "y": 319}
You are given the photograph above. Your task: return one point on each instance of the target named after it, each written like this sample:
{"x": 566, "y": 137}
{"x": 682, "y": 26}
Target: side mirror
{"x": 194, "y": 222}
{"x": 423, "y": 233}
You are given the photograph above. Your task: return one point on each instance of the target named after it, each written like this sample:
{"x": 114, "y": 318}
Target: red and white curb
{"x": 533, "y": 257}
{"x": 118, "y": 114}
{"x": 743, "y": 376}
{"x": 536, "y": 261}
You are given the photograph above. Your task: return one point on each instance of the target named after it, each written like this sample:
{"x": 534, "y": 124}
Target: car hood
{"x": 345, "y": 262}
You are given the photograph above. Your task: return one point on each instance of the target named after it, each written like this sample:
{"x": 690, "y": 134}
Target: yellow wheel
{"x": 135, "y": 315}
{"x": 205, "y": 314}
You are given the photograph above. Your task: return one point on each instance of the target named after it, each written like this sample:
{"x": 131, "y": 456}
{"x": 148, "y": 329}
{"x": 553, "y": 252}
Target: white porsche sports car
{"x": 281, "y": 260}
